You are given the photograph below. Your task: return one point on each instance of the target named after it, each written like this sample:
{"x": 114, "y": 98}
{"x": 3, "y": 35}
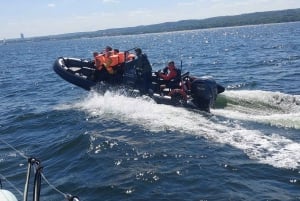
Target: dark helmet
{"x": 138, "y": 51}
{"x": 108, "y": 48}
{"x": 172, "y": 63}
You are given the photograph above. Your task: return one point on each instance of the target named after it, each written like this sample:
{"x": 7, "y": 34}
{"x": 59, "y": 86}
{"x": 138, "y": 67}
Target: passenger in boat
{"x": 129, "y": 56}
{"x": 169, "y": 72}
{"x": 108, "y": 49}
{"x": 118, "y": 57}
{"x": 107, "y": 64}
{"x": 103, "y": 66}
{"x": 168, "y": 76}
{"x": 95, "y": 62}
{"x": 143, "y": 71}
{"x": 116, "y": 51}
{"x": 116, "y": 67}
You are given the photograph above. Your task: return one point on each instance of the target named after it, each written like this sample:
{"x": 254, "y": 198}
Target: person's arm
{"x": 169, "y": 76}
{"x": 165, "y": 70}
{"x": 98, "y": 64}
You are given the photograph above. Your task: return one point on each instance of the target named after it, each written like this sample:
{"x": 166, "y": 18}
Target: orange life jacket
{"x": 115, "y": 60}
{"x": 107, "y": 62}
{"x": 99, "y": 60}
{"x": 121, "y": 56}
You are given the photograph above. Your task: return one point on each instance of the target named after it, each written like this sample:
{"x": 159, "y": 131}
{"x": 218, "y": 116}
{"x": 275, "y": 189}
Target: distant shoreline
{"x": 258, "y": 18}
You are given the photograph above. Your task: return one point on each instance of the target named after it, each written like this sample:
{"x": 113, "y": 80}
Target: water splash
{"x": 274, "y": 108}
{"x": 273, "y": 149}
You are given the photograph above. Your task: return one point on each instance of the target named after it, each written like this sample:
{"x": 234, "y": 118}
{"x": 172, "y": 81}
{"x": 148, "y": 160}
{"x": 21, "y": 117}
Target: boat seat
{"x": 83, "y": 72}
{"x": 74, "y": 69}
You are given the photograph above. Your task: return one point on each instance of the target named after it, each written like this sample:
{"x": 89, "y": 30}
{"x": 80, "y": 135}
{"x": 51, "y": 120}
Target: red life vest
{"x": 171, "y": 74}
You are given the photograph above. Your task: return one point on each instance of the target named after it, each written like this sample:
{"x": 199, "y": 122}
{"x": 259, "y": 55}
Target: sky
{"x": 51, "y": 17}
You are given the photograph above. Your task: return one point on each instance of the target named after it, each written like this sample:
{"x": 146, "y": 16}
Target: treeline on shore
{"x": 290, "y": 15}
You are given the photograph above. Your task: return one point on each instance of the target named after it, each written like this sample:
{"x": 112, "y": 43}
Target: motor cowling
{"x": 204, "y": 92}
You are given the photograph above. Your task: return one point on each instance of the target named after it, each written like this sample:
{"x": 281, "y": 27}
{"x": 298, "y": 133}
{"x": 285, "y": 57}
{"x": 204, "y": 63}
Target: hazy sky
{"x": 48, "y": 17}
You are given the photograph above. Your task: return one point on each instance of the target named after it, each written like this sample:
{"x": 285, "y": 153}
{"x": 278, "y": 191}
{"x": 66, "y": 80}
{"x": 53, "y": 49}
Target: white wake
{"x": 268, "y": 148}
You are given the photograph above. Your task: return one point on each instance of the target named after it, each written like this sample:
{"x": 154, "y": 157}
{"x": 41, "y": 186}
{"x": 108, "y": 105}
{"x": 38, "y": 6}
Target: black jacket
{"x": 142, "y": 64}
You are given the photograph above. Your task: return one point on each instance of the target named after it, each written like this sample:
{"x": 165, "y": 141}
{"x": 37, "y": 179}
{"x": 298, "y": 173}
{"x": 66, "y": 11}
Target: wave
{"x": 273, "y": 108}
{"x": 273, "y": 149}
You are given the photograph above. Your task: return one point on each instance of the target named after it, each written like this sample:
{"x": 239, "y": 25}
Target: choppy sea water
{"x": 112, "y": 147}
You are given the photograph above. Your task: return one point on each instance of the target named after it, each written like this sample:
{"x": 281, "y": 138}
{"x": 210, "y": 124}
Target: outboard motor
{"x": 204, "y": 92}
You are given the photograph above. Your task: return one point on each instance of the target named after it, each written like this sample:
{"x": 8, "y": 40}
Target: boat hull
{"x": 200, "y": 93}
{"x": 76, "y": 71}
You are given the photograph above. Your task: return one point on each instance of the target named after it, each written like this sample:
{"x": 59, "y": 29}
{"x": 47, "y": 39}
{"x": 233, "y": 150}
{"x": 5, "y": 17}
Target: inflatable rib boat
{"x": 185, "y": 90}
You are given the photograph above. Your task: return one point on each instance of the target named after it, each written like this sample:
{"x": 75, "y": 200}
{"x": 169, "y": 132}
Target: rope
{"x": 53, "y": 187}
{"x": 67, "y": 196}
{"x": 20, "y": 153}
{"x": 37, "y": 180}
